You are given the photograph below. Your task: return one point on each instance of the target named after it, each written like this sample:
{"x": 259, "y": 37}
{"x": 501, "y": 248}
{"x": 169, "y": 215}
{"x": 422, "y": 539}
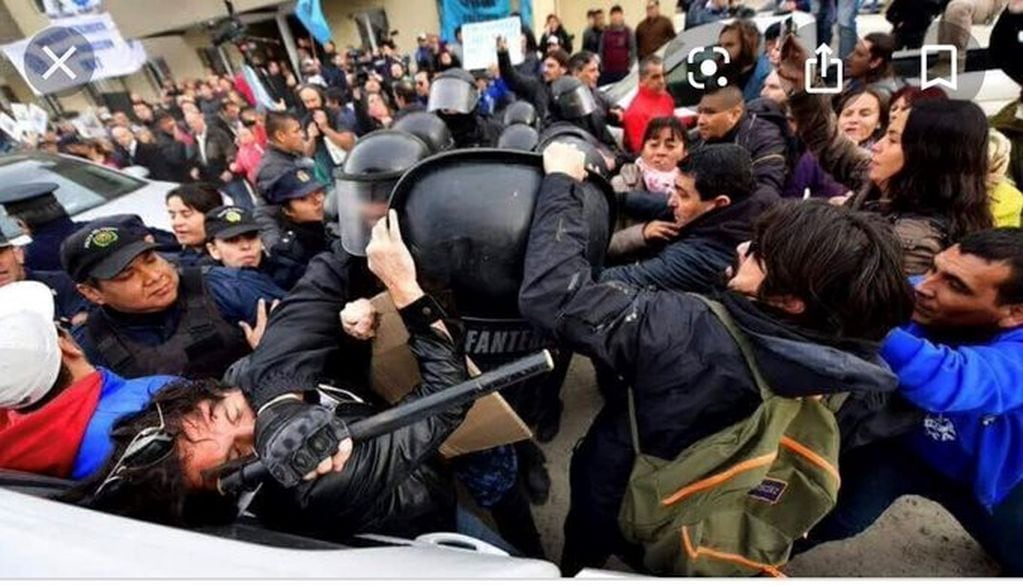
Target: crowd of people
{"x": 867, "y": 246}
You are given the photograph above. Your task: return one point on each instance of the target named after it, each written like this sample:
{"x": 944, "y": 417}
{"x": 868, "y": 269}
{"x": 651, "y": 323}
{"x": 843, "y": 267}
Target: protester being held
{"x": 927, "y": 174}
{"x": 149, "y": 319}
{"x": 870, "y": 65}
{"x": 653, "y": 31}
{"x": 455, "y": 99}
{"x": 723, "y": 117}
{"x": 69, "y": 306}
{"x": 655, "y": 171}
{"x": 863, "y": 117}
{"x": 748, "y": 64}
{"x": 554, "y": 29}
{"x": 326, "y": 128}
{"x": 186, "y": 206}
{"x": 594, "y": 30}
{"x": 1006, "y": 199}
{"x": 56, "y": 409}
{"x": 826, "y": 280}
{"x": 711, "y": 215}
{"x": 617, "y": 48}
{"x": 40, "y": 215}
{"x": 652, "y": 101}
{"x": 298, "y": 216}
{"x": 528, "y": 88}
{"x": 960, "y": 362}
{"x": 394, "y": 484}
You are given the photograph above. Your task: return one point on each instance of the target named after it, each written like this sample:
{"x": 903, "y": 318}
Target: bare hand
{"x": 320, "y": 118}
{"x": 660, "y": 230}
{"x": 255, "y": 334}
{"x": 360, "y": 319}
{"x": 226, "y": 176}
{"x": 334, "y": 463}
{"x": 389, "y": 258}
{"x": 502, "y": 45}
{"x": 194, "y": 173}
{"x": 313, "y": 131}
{"x": 565, "y": 158}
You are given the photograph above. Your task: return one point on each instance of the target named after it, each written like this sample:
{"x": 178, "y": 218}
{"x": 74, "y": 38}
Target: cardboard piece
{"x": 479, "y": 42}
{"x": 490, "y": 422}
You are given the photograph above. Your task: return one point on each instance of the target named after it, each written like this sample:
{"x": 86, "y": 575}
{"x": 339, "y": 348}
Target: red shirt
{"x": 46, "y": 441}
{"x": 646, "y": 106}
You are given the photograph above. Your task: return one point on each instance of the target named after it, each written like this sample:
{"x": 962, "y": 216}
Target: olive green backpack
{"x": 733, "y": 503}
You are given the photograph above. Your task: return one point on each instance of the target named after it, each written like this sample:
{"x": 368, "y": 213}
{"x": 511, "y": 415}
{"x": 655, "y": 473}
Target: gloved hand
{"x": 293, "y": 438}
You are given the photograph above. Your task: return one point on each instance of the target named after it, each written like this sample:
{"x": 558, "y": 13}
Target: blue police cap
{"x": 294, "y": 184}
{"x": 26, "y": 191}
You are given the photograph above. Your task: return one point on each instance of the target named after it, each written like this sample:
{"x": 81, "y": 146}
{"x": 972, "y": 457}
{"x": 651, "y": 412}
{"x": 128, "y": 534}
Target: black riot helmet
{"x": 519, "y": 137}
{"x": 571, "y": 99}
{"x": 429, "y": 128}
{"x": 583, "y": 140}
{"x": 520, "y": 112}
{"x": 465, "y": 216}
{"x": 454, "y": 90}
{"x": 363, "y": 188}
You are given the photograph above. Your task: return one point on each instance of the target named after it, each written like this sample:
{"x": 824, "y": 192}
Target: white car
{"x": 85, "y": 189}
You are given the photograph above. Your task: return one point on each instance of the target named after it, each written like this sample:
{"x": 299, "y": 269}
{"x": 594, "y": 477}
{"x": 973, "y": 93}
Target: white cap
{"x": 29, "y": 354}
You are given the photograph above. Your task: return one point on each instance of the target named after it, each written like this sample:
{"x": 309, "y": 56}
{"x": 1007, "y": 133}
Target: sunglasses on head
{"x": 148, "y": 447}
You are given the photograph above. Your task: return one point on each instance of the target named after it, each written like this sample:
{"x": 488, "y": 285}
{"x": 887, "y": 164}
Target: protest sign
{"x": 479, "y": 45}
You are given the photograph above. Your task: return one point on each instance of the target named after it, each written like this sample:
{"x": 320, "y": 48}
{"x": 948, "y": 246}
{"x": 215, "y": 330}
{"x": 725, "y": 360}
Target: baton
{"x": 250, "y": 475}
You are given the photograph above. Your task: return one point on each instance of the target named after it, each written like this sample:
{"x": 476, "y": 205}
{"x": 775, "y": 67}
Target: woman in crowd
{"x": 863, "y": 116}
{"x": 903, "y": 100}
{"x": 187, "y": 206}
{"x": 748, "y": 64}
{"x": 927, "y": 174}
{"x": 554, "y": 28}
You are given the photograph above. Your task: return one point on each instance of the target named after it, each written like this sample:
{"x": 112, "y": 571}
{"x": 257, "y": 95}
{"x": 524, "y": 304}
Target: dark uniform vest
{"x": 202, "y": 346}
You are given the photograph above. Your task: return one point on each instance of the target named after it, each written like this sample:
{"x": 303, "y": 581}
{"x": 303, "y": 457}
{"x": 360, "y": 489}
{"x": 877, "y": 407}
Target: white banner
{"x": 479, "y": 44}
{"x": 114, "y": 57}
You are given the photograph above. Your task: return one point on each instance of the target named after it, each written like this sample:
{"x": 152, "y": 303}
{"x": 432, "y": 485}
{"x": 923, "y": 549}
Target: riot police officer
{"x": 454, "y": 97}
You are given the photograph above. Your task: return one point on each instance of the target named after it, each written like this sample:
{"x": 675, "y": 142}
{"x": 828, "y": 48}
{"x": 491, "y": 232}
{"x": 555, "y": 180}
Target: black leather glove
{"x": 292, "y": 437}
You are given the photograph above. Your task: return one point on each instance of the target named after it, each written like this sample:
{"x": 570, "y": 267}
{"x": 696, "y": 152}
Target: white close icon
{"x": 951, "y": 82}
{"x": 58, "y": 63}
{"x": 708, "y": 67}
{"x": 823, "y": 53}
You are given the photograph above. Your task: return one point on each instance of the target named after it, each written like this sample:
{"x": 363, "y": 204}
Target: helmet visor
{"x": 452, "y": 95}
{"x": 361, "y": 204}
{"x": 577, "y": 103}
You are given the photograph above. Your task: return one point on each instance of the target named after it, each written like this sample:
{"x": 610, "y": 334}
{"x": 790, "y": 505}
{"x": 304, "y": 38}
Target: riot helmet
{"x": 569, "y": 133}
{"x": 363, "y": 188}
{"x": 571, "y": 99}
{"x": 429, "y": 128}
{"x": 520, "y": 112}
{"x": 519, "y": 137}
{"x": 453, "y": 91}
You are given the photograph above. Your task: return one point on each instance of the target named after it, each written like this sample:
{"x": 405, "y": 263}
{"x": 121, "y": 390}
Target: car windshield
{"x": 82, "y": 185}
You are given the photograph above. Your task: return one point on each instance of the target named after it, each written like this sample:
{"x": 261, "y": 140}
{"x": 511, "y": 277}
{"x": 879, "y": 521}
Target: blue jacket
{"x": 117, "y": 397}
{"x": 974, "y": 394}
{"x": 43, "y": 253}
{"x": 756, "y": 82}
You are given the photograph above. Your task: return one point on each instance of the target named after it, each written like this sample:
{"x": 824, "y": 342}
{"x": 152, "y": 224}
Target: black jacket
{"x": 393, "y": 484}
{"x": 150, "y": 156}
{"x": 220, "y": 152}
{"x": 688, "y": 376}
{"x": 529, "y": 88}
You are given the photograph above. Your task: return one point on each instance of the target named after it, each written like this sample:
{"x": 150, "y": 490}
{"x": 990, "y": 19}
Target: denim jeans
{"x": 847, "y": 12}
{"x": 824, "y": 11}
{"x": 873, "y": 477}
{"x": 469, "y": 524}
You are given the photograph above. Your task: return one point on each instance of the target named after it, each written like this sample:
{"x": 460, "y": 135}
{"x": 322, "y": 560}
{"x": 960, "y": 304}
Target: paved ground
{"x": 914, "y": 538}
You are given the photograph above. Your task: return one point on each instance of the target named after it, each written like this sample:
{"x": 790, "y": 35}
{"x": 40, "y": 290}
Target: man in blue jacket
{"x": 961, "y": 362}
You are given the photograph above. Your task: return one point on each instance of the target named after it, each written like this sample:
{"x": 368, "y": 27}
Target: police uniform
{"x": 299, "y": 242}
{"x": 197, "y": 336}
{"x": 67, "y": 302}
{"x": 43, "y": 253}
{"x": 229, "y": 221}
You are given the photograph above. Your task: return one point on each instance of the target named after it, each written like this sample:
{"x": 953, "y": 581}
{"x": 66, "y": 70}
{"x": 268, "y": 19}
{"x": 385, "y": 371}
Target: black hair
{"x": 773, "y": 32}
{"x": 846, "y": 267}
{"x": 406, "y": 91}
{"x": 36, "y": 211}
{"x": 945, "y": 170}
{"x": 158, "y": 492}
{"x": 201, "y": 197}
{"x": 656, "y": 125}
{"x": 578, "y": 61}
{"x": 882, "y": 46}
{"x": 721, "y": 169}
{"x": 617, "y": 8}
{"x": 558, "y": 55}
{"x": 882, "y": 104}
{"x": 278, "y": 122}
{"x": 335, "y": 94}
{"x": 1000, "y": 245}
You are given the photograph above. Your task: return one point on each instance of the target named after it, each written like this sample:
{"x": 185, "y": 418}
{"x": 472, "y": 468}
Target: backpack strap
{"x": 741, "y": 340}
